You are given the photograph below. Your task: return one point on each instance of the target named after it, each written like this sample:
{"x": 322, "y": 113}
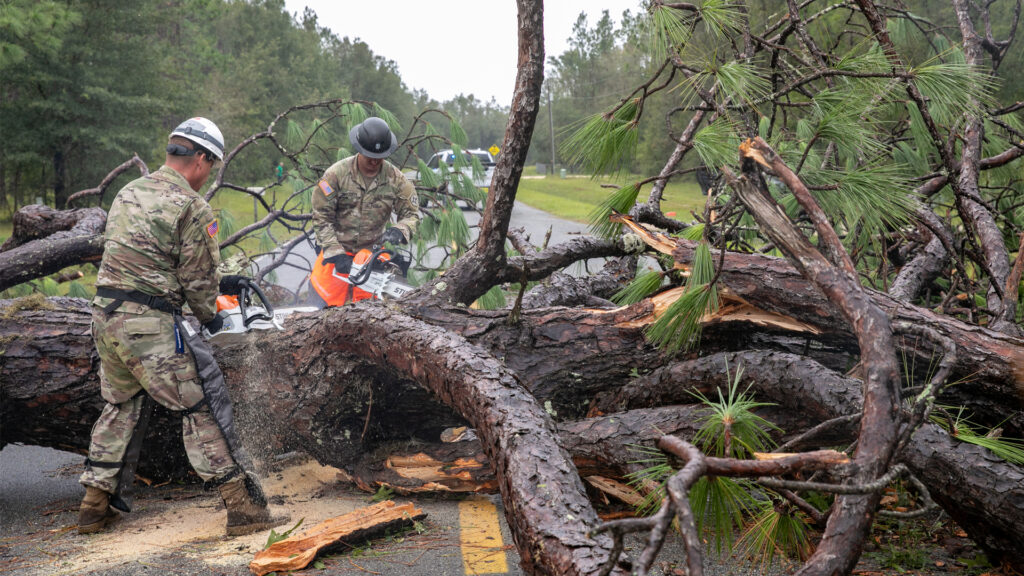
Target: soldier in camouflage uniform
{"x": 354, "y": 200}
{"x": 160, "y": 253}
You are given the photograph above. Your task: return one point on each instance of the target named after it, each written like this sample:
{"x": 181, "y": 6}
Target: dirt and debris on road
{"x": 179, "y": 530}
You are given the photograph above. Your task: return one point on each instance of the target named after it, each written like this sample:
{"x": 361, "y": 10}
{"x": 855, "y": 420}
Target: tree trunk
{"x": 460, "y": 284}
{"x": 315, "y": 384}
{"x": 833, "y": 273}
{"x": 39, "y": 221}
{"x": 48, "y": 256}
{"x": 989, "y": 367}
{"x": 50, "y": 397}
{"x": 45, "y": 241}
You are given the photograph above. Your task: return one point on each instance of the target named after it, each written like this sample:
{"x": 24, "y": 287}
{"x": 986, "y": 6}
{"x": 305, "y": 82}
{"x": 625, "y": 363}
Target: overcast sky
{"x": 450, "y": 48}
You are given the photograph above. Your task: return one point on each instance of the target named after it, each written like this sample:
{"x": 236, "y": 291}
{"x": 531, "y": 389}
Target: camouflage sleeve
{"x": 325, "y": 209}
{"x": 406, "y": 208}
{"x": 200, "y": 255}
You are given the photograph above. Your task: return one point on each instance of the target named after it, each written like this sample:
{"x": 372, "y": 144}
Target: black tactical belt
{"x": 122, "y": 296}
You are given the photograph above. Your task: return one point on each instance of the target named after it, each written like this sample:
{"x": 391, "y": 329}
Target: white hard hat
{"x": 202, "y": 132}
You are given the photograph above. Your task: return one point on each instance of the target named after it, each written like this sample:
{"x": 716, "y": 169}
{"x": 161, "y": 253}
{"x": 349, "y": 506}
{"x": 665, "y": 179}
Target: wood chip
{"x": 297, "y": 552}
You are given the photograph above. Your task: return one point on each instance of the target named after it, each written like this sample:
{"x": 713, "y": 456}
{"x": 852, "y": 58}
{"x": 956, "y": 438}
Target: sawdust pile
{"x": 195, "y": 526}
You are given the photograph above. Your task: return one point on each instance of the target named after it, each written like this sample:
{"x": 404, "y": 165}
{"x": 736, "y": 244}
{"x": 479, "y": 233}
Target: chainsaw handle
{"x": 364, "y": 274}
{"x": 246, "y": 288}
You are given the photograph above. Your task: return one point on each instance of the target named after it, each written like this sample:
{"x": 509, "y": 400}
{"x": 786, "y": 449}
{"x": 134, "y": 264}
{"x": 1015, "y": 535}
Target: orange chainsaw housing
{"x": 225, "y": 302}
{"x": 331, "y": 286}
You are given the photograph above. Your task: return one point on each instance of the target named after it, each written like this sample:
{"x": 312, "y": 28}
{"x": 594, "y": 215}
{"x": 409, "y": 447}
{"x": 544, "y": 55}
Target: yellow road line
{"x": 483, "y": 551}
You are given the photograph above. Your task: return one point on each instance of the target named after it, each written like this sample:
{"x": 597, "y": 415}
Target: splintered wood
{"x": 616, "y": 489}
{"x": 732, "y": 308}
{"x": 460, "y": 475}
{"x": 297, "y": 552}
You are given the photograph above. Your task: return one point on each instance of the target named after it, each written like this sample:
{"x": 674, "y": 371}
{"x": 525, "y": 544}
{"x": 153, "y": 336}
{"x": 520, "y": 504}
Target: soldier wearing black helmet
{"x": 353, "y": 202}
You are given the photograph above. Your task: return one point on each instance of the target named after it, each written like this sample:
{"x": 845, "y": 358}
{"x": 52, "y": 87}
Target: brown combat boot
{"x": 95, "y": 513}
{"x": 244, "y": 515}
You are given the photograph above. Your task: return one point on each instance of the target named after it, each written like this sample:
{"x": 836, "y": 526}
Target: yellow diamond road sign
{"x": 494, "y": 150}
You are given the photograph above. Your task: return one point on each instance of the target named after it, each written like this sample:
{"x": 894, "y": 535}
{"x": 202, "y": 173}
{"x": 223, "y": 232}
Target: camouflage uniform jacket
{"x": 161, "y": 239}
{"x": 350, "y": 214}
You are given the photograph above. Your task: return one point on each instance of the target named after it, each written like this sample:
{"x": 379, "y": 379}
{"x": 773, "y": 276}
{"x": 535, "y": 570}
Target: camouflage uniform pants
{"x": 136, "y": 347}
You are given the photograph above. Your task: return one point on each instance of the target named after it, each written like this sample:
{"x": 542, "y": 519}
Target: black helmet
{"x": 372, "y": 138}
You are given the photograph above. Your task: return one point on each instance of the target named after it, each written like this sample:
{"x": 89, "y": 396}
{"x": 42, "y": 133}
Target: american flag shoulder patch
{"x": 212, "y": 229}
{"x": 325, "y": 187}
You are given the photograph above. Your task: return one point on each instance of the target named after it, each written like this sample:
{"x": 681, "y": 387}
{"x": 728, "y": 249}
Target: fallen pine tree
{"x": 348, "y": 411}
{"x": 347, "y": 382}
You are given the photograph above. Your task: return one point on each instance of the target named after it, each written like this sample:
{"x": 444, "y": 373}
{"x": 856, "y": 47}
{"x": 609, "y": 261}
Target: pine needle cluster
{"x": 679, "y": 326}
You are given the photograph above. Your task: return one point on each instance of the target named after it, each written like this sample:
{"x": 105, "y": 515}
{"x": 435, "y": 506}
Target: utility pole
{"x": 551, "y": 127}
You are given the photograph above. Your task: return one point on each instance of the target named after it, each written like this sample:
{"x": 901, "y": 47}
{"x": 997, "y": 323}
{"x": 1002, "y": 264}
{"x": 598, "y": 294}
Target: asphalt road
{"x": 178, "y": 530}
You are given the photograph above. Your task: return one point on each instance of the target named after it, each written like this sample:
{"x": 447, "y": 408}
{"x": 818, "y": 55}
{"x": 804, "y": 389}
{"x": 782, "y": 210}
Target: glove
{"x": 393, "y": 236}
{"x": 342, "y": 263}
{"x": 231, "y": 285}
{"x": 214, "y": 326}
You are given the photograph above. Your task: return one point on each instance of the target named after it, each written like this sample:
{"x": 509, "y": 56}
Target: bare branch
{"x": 105, "y": 183}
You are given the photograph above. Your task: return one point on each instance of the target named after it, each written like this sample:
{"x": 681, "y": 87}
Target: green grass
{"x": 574, "y": 198}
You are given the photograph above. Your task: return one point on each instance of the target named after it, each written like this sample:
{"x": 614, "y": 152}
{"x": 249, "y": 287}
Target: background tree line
{"x": 87, "y": 83}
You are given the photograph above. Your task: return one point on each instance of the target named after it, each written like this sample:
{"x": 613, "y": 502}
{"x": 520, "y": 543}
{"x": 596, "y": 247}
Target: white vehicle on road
{"x": 472, "y": 169}
{"x": 482, "y": 156}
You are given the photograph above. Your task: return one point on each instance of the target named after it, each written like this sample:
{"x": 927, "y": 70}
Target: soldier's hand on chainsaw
{"x": 393, "y": 236}
{"x": 231, "y": 284}
{"x": 214, "y": 326}
{"x": 342, "y": 263}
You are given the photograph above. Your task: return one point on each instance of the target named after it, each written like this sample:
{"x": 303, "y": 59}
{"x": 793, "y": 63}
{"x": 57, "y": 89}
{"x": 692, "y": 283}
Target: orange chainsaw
{"x": 250, "y": 310}
{"x": 374, "y": 274}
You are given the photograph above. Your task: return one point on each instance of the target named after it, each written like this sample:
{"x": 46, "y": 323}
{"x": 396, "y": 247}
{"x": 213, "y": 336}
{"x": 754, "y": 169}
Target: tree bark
{"x": 560, "y": 288}
{"x": 44, "y": 241}
{"x": 928, "y": 263}
{"x": 604, "y": 345}
{"x": 460, "y": 284}
{"x": 48, "y": 256}
{"x": 38, "y": 221}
